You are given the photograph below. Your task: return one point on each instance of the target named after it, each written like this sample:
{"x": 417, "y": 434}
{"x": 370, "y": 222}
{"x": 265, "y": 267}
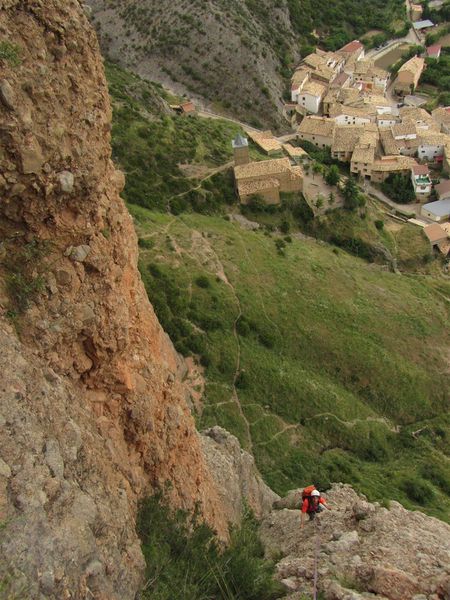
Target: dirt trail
{"x": 353, "y": 422}
{"x": 204, "y": 254}
{"x": 211, "y": 173}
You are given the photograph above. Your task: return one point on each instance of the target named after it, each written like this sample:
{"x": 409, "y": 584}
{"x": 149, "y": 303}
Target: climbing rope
{"x": 316, "y": 558}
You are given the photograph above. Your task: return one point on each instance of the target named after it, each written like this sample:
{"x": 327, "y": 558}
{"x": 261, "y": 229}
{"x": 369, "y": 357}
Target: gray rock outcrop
{"x": 364, "y": 550}
{"x": 236, "y": 476}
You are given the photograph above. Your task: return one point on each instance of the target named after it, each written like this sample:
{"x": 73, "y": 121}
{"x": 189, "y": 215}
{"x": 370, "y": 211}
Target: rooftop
{"x": 434, "y": 50}
{"x": 403, "y": 129}
{"x": 423, "y": 24}
{"x": 314, "y": 88}
{"x": 317, "y": 126}
{"x": 442, "y": 115}
{"x": 420, "y": 170}
{"x": 246, "y": 188}
{"x": 443, "y": 188}
{"x": 265, "y": 140}
{"x": 314, "y": 60}
{"x": 351, "y": 47}
{"x": 431, "y": 138}
{"x": 364, "y": 154}
{"x": 263, "y": 168}
{"x": 393, "y": 163}
{"x": 346, "y": 137}
{"x": 434, "y": 232}
{"x": 337, "y": 109}
{"x": 294, "y": 150}
{"x": 414, "y": 65}
{"x": 440, "y": 208}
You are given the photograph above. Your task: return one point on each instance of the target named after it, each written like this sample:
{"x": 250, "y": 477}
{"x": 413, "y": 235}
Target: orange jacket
{"x": 308, "y": 506}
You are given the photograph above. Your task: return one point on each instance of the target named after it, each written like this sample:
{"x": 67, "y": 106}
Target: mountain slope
{"x": 322, "y": 364}
{"x": 234, "y": 55}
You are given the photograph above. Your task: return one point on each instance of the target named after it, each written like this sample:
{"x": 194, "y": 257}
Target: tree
{"x": 316, "y": 168}
{"x": 332, "y": 176}
{"x": 399, "y": 188}
{"x": 351, "y": 194}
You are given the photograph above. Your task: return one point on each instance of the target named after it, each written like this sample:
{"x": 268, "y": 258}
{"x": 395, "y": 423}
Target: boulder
{"x": 7, "y": 95}
{"x": 66, "y": 181}
{"x": 393, "y": 583}
{"x": 79, "y": 253}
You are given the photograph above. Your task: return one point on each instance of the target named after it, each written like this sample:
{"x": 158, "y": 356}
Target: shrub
{"x": 398, "y": 188}
{"x": 285, "y": 226}
{"x": 202, "y": 281}
{"x": 379, "y": 224}
{"x": 10, "y": 53}
{"x": 145, "y": 243}
{"x": 185, "y": 562}
{"x": 24, "y": 273}
{"x": 332, "y": 175}
{"x": 418, "y": 490}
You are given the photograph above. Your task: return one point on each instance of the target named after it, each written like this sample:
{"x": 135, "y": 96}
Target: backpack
{"x": 306, "y": 494}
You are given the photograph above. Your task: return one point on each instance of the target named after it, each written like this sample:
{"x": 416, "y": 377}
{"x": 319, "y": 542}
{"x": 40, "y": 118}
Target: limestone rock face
{"x": 235, "y": 474}
{"x": 95, "y": 412}
{"x": 364, "y": 551}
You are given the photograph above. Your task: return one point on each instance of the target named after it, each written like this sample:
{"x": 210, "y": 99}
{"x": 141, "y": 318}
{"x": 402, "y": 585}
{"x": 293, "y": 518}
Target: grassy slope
{"x": 334, "y": 356}
{"x": 320, "y": 331}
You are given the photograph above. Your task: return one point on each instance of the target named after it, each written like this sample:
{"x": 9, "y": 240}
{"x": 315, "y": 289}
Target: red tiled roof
{"x": 434, "y": 49}
{"x": 352, "y": 46}
{"x": 420, "y": 170}
{"x": 188, "y": 107}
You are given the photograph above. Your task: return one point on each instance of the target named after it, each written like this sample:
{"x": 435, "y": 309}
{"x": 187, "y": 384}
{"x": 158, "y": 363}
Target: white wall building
{"x": 310, "y": 96}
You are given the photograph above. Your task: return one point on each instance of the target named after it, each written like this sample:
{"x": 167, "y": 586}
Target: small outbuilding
{"x": 434, "y": 51}
{"x": 421, "y": 25}
{"x": 438, "y": 211}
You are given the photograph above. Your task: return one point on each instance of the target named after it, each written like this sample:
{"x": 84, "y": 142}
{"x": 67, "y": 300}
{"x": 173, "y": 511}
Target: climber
{"x": 312, "y": 503}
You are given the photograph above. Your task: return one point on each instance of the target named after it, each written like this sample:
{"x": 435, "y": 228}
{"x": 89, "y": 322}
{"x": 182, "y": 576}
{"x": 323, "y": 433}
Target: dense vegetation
{"x": 399, "y": 188}
{"x": 151, "y": 144}
{"x": 437, "y": 74}
{"x": 185, "y": 562}
{"x": 338, "y": 22}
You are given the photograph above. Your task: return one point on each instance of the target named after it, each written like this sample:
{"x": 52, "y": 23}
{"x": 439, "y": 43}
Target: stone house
{"x": 384, "y": 166}
{"x": 311, "y": 95}
{"x": 408, "y": 75}
{"x": 431, "y": 147}
{"x": 267, "y": 178}
{"x": 317, "y": 130}
{"x": 345, "y": 140}
{"x": 266, "y": 142}
{"x": 441, "y": 116}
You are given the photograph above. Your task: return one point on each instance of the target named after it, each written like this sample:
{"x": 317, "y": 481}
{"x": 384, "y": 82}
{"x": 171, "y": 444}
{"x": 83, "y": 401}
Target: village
{"x": 370, "y": 121}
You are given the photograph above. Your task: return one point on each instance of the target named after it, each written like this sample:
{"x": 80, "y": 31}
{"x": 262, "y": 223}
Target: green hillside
{"x": 327, "y": 367}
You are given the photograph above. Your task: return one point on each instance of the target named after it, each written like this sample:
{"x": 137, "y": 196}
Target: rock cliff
{"x": 93, "y": 412}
